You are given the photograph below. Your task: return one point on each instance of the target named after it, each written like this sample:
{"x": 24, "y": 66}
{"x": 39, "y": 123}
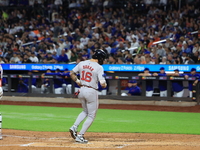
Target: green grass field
{"x": 37, "y": 118}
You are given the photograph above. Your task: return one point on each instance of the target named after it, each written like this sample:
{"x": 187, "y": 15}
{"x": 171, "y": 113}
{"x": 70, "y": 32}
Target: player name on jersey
{"x": 88, "y": 67}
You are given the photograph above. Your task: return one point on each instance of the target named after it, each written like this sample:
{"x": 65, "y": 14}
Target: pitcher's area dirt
{"x": 31, "y": 140}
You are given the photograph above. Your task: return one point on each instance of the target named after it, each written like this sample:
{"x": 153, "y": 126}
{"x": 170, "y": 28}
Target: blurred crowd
{"x": 69, "y": 31}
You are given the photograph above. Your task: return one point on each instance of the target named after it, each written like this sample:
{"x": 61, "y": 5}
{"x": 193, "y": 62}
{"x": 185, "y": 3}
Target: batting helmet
{"x": 100, "y": 55}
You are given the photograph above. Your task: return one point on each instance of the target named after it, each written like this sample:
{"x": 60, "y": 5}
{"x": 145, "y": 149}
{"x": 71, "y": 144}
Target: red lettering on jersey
{"x": 86, "y": 76}
{"x": 88, "y": 67}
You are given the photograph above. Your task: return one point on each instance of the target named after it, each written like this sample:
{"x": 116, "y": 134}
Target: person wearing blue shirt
{"x": 192, "y": 73}
{"x": 22, "y": 87}
{"x": 58, "y": 83}
{"x": 129, "y": 85}
{"x": 33, "y": 81}
{"x": 177, "y": 86}
{"x": 162, "y": 83}
{"x": 63, "y": 57}
{"x": 67, "y": 86}
{"x": 102, "y": 91}
{"x": 149, "y": 83}
{"x": 45, "y": 83}
{"x": 134, "y": 90}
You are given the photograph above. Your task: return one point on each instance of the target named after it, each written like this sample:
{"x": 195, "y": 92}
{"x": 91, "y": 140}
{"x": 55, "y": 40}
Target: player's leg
{"x": 69, "y": 89}
{"x": 42, "y": 89}
{"x": 81, "y": 116}
{"x": 104, "y": 92}
{"x": 149, "y": 93}
{"x": 190, "y": 94}
{"x": 175, "y": 94}
{"x": 163, "y": 93}
{"x": 92, "y": 106}
{"x": 64, "y": 88}
{"x": 179, "y": 94}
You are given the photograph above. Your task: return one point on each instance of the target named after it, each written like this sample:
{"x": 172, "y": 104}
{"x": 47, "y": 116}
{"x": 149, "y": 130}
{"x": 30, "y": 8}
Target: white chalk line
{"x": 26, "y": 137}
{"x": 29, "y": 144}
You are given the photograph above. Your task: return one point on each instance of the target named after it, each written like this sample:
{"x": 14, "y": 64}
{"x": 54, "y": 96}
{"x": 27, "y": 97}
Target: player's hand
{"x": 176, "y": 74}
{"x": 186, "y": 76}
{"x": 155, "y": 74}
{"x": 78, "y": 82}
{"x": 76, "y": 93}
{"x": 195, "y": 82}
{"x": 104, "y": 85}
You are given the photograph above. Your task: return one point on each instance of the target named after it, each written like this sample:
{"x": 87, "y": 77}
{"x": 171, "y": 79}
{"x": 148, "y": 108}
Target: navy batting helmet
{"x": 100, "y": 55}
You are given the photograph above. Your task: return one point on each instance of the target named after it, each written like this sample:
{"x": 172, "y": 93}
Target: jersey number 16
{"x": 86, "y": 76}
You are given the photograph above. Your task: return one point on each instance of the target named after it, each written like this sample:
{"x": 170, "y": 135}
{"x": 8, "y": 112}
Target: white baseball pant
{"x": 149, "y": 93}
{"x": 178, "y": 94}
{"x": 163, "y": 93}
{"x": 190, "y": 94}
{"x": 90, "y": 104}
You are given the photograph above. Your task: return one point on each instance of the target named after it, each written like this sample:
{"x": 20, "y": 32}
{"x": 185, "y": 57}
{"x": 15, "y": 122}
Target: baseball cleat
{"x": 81, "y": 139}
{"x": 73, "y": 131}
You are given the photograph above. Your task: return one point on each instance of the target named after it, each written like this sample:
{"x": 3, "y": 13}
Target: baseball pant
{"x": 163, "y": 93}
{"x": 90, "y": 104}
{"x": 178, "y": 94}
{"x": 149, "y": 93}
{"x": 190, "y": 94}
{"x": 103, "y": 92}
{"x": 69, "y": 89}
{"x": 44, "y": 89}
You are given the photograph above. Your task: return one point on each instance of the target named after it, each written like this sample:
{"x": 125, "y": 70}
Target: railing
{"x": 109, "y": 77}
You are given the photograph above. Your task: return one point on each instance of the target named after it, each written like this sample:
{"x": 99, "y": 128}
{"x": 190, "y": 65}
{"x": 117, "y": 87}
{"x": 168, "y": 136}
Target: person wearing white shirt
{"x": 164, "y": 60}
{"x": 58, "y": 2}
{"x": 14, "y": 59}
{"x": 84, "y": 40}
{"x": 33, "y": 58}
{"x": 62, "y": 44}
{"x": 79, "y": 45}
{"x": 135, "y": 43}
{"x": 51, "y": 50}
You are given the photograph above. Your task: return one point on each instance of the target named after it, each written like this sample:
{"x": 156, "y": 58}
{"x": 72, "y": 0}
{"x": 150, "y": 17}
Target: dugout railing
{"x": 10, "y": 91}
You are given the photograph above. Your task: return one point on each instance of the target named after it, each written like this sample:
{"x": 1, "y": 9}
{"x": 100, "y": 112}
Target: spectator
{"x": 15, "y": 58}
{"x": 63, "y": 57}
{"x": 160, "y": 51}
{"x": 164, "y": 60}
{"x": 33, "y": 58}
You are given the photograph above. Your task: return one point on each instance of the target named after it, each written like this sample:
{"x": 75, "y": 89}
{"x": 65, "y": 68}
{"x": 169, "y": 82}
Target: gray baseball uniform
{"x": 90, "y": 74}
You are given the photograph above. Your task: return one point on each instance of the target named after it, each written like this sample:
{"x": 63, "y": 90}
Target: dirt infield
{"x": 30, "y": 140}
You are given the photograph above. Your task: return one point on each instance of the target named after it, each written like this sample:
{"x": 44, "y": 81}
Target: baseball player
{"x": 177, "y": 86}
{"x": 162, "y": 84}
{"x": 192, "y": 73}
{"x": 1, "y": 77}
{"x": 132, "y": 88}
{"x": 149, "y": 83}
{"x": 90, "y": 72}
